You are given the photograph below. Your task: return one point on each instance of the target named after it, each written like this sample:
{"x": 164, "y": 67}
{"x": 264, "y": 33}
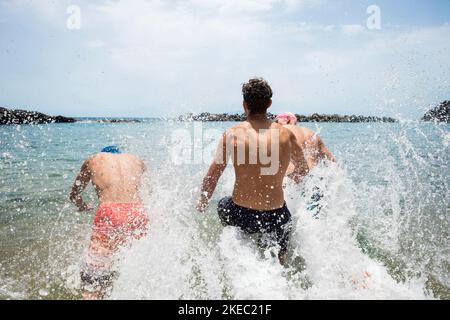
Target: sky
{"x": 146, "y": 58}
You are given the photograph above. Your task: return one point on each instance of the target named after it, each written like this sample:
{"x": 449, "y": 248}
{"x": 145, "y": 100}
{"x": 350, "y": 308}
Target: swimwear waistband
{"x": 254, "y": 211}
{"x": 115, "y": 206}
{"x": 119, "y": 204}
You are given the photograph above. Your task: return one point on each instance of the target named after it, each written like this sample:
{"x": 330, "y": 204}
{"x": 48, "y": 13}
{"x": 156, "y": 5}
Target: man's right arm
{"x": 80, "y": 184}
{"x": 215, "y": 171}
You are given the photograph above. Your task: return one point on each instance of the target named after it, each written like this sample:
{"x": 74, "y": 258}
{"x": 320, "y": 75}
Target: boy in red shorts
{"x": 120, "y": 217}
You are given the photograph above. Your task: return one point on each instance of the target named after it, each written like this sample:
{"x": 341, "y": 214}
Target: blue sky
{"x": 165, "y": 58}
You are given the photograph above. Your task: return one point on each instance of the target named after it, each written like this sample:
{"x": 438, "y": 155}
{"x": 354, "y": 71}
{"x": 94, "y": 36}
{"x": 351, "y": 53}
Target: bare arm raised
{"x": 298, "y": 159}
{"x": 80, "y": 184}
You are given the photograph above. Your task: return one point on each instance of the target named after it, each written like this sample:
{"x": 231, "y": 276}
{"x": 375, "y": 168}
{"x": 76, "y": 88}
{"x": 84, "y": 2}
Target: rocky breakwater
{"x": 17, "y": 116}
{"x": 441, "y": 113}
{"x": 207, "y": 117}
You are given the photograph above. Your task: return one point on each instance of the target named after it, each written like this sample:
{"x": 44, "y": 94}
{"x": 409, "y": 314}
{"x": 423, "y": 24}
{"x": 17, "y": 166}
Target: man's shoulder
{"x": 91, "y": 161}
{"x": 237, "y": 127}
{"x": 294, "y": 128}
{"x": 307, "y": 133}
{"x": 96, "y": 157}
{"x": 131, "y": 157}
{"x": 241, "y": 125}
{"x": 92, "y": 158}
{"x": 284, "y": 130}
{"x": 100, "y": 158}
{"x": 136, "y": 158}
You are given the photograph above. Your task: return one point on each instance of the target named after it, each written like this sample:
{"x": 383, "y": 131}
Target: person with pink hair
{"x": 314, "y": 150}
{"x": 313, "y": 146}
{"x": 286, "y": 118}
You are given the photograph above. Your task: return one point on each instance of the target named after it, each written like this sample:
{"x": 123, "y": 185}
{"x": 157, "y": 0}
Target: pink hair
{"x": 292, "y": 118}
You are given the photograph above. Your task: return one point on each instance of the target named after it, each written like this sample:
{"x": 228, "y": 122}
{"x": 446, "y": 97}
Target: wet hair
{"x": 257, "y": 94}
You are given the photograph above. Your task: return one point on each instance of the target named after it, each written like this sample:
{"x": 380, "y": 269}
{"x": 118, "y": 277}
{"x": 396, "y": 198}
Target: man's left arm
{"x": 301, "y": 168}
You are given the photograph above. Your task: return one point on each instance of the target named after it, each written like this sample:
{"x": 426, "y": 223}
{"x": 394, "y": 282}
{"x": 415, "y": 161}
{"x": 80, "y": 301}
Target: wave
{"x": 187, "y": 255}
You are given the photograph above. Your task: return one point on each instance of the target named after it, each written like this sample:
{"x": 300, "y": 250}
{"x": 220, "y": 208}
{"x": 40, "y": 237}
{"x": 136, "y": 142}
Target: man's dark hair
{"x": 257, "y": 94}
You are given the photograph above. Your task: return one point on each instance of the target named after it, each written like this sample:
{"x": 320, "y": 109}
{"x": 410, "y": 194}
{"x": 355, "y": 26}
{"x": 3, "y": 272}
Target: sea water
{"x": 382, "y": 232}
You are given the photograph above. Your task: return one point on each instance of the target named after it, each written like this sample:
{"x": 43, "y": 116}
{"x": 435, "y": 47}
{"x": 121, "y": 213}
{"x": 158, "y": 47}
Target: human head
{"x": 257, "y": 96}
{"x": 286, "y": 118}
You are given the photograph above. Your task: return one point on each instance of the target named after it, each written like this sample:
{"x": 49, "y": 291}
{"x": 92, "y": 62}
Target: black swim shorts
{"x": 277, "y": 223}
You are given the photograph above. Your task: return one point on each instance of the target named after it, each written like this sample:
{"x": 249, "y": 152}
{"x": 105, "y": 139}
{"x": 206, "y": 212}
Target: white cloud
{"x": 95, "y": 44}
{"x": 53, "y": 12}
{"x": 236, "y": 5}
{"x": 233, "y": 6}
{"x": 352, "y": 28}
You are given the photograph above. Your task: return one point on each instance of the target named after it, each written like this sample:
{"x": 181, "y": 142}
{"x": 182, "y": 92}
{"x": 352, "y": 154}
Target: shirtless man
{"x": 120, "y": 216}
{"x": 314, "y": 150}
{"x": 261, "y": 151}
{"x": 313, "y": 146}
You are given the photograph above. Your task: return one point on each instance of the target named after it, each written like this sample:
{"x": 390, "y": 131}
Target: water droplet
{"x": 43, "y": 292}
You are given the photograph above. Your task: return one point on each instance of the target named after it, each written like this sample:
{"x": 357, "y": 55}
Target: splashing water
{"x": 382, "y": 231}
{"x": 188, "y": 256}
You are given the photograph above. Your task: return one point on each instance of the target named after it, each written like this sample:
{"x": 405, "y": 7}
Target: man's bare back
{"x": 259, "y": 182}
{"x": 116, "y": 178}
{"x": 252, "y": 189}
{"x": 313, "y": 146}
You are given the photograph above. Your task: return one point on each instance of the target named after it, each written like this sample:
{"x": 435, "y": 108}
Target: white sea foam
{"x": 189, "y": 256}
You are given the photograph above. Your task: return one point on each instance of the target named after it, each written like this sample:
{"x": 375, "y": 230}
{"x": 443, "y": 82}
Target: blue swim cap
{"x": 112, "y": 149}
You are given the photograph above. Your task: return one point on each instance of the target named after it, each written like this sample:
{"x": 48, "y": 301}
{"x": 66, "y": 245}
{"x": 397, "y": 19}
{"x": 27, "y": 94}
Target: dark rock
{"x": 439, "y": 114}
{"x": 17, "y": 116}
{"x": 207, "y": 117}
{"x": 119, "y": 121}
